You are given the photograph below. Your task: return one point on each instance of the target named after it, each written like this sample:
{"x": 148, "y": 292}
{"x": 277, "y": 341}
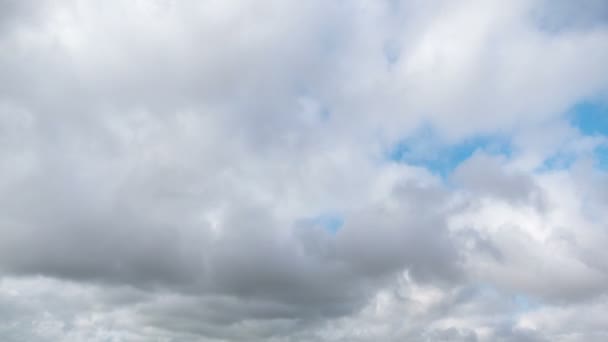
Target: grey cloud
{"x": 484, "y": 175}
{"x": 133, "y": 240}
{"x": 160, "y": 161}
{"x": 381, "y": 243}
{"x": 452, "y": 334}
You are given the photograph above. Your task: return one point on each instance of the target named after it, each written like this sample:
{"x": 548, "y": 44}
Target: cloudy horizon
{"x": 272, "y": 170}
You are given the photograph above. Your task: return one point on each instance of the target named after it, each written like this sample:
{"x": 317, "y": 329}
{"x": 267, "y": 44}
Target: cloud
{"x": 215, "y": 171}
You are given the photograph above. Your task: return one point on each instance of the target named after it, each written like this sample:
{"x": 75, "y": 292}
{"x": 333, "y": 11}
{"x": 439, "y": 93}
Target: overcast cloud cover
{"x": 274, "y": 170}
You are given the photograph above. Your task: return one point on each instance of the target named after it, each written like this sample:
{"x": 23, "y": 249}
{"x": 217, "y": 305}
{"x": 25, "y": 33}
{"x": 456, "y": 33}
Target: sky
{"x": 286, "y": 171}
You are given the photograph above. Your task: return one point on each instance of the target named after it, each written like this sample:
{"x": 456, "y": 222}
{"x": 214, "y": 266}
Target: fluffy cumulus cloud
{"x": 303, "y": 170}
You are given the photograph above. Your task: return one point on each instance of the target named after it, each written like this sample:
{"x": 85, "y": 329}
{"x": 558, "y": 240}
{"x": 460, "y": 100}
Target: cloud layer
{"x": 303, "y": 171}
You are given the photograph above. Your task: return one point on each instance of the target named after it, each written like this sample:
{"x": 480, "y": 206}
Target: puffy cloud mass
{"x": 303, "y": 170}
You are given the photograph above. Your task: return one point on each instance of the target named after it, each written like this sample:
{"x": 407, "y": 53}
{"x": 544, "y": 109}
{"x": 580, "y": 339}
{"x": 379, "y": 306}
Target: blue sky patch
{"x": 558, "y": 161}
{"x": 563, "y": 161}
{"x": 601, "y": 157}
{"x": 330, "y": 221}
{"x": 590, "y": 118}
{"x": 426, "y": 149}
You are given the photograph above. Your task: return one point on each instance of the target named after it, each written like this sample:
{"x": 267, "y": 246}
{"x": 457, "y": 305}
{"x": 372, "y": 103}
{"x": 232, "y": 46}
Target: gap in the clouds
{"x": 425, "y": 148}
{"x": 601, "y": 157}
{"x": 330, "y": 221}
{"x": 561, "y": 161}
{"x": 590, "y": 117}
{"x": 557, "y": 162}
